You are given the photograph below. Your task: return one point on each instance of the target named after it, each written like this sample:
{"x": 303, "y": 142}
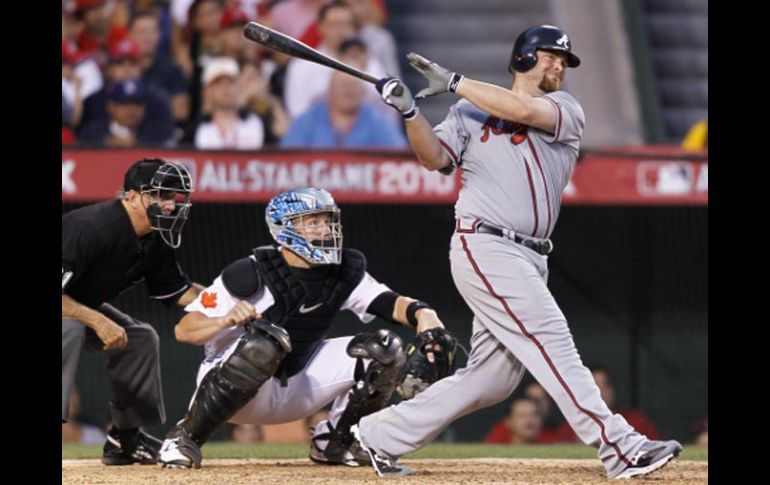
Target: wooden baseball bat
{"x": 291, "y": 46}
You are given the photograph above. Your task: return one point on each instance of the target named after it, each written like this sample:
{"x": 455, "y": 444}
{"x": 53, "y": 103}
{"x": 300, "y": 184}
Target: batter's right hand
{"x": 403, "y": 102}
{"x": 239, "y": 315}
{"x": 113, "y": 335}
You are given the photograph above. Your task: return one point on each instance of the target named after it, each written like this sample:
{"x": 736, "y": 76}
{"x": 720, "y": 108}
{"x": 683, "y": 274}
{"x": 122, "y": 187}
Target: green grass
{"x": 438, "y": 450}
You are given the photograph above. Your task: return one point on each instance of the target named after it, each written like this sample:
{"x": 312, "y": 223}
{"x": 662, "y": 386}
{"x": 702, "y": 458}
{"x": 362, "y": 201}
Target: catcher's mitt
{"x": 418, "y": 372}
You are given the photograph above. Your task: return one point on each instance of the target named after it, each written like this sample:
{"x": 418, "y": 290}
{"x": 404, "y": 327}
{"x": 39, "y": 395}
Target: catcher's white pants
{"x": 517, "y": 326}
{"x": 327, "y": 376}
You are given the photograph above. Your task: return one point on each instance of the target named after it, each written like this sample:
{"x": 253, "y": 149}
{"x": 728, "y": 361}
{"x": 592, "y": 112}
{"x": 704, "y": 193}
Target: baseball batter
{"x": 264, "y": 322}
{"x": 516, "y": 148}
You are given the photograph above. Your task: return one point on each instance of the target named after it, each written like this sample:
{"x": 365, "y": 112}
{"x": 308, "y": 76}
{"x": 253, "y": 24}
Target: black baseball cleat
{"x": 385, "y": 466}
{"x": 652, "y": 456}
{"x": 179, "y": 450}
{"x": 129, "y": 446}
{"x": 320, "y": 452}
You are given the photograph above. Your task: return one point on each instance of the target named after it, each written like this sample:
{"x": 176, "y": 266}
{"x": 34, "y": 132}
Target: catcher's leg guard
{"x": 373, "y": 387}
{"x": 227, "y": 388}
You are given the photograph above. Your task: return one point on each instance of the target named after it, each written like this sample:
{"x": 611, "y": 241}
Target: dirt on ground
{"x": 303, "y": 472}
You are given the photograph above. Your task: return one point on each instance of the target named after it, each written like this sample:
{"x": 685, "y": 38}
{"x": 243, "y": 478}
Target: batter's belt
{"x": 540, "y": 246}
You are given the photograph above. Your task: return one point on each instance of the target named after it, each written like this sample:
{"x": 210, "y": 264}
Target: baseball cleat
{"x": 179, "y": 450}
{"x": 385, "y": 466}
{"x": 126, "y": 447}
{"x": 650, "y": 457}
{"x": 321, "y": 454}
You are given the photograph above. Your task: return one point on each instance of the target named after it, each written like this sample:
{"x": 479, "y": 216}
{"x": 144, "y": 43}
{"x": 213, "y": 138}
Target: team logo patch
{"x": 209, "y": 300}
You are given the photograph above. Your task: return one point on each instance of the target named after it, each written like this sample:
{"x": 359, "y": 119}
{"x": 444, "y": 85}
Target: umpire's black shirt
{"x": 102, "y": 256}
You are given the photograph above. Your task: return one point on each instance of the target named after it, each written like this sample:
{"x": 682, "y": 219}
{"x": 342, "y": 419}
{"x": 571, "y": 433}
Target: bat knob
{"x": 398, "y": 91}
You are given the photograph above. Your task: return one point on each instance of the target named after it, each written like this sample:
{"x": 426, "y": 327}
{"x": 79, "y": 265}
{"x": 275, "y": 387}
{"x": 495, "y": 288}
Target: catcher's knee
{"x": 258, "y": 355}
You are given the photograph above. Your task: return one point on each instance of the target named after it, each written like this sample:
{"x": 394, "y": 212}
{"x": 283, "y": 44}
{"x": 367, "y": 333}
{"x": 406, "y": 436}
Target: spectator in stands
{"x": 698, "y": 137}
{"x": 162, "y": 10}
{"x": 126, "y": 125}
{"x": 158, "y": 69}
{"x": 343, "y": 120}
{"x": 252, "y": 83}
{"x": 201, "y": 43}
{"x": 79, "y": 428}
{"x": 356, "y": 51}
{"x": 307, "y": 82}
{"x": 72, "y": 97}
{"x": 226, "y": 126}
{"x": 378, "y": 40}
{"x": 71, "y": 26}
{"x": 158, "y": 124}
{"x": 97, "y": 33}
{"x": 553, "y": 430}
{"x": 521, "y": 426}
{"x": 636, "y": 418}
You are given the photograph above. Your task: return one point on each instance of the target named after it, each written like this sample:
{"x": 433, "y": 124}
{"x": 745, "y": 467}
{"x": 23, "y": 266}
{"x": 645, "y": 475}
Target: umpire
{"x": 108, "y": 247}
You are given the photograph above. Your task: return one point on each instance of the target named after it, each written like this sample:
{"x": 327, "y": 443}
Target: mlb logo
{"x": 665, "y": 178}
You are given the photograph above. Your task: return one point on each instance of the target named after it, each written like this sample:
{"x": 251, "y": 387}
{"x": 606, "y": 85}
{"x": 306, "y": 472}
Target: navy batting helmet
{"x": 543, "y": 37}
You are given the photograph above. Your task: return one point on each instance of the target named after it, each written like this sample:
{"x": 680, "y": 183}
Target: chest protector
{"x": 306, "y": 300}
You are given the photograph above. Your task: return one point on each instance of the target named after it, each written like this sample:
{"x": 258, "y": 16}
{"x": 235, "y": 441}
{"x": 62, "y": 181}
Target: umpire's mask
{"x": 169, "y": 182}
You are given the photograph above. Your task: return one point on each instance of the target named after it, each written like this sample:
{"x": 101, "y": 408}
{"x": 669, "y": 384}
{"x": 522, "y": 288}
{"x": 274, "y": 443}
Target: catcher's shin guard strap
{"x": 411, "y": 310}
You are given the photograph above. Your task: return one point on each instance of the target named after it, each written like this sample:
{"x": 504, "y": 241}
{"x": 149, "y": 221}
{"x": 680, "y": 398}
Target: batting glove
{"x": 440, "y": 79}
{"x": 403, "y": 102}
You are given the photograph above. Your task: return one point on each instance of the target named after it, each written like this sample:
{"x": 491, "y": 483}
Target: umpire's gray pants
{"x": 136, "y": 395}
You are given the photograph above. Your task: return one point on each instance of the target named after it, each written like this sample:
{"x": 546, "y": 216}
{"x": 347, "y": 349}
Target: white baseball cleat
{"x": 179, "y": 450}
{"x": 650, "y": 457}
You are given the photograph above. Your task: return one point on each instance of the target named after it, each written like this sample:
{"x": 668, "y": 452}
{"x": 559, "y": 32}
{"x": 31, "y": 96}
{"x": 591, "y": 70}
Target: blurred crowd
{"x": 180, "y": 73}
{"x": 534, "y": 418}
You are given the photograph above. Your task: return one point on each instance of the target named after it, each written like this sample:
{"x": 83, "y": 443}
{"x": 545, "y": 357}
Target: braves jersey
{"x": 513, "y": 175}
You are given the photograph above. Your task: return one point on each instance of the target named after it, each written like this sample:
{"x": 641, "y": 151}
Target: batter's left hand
{"x": 440, "y": 79}
{"x": 403, "y": 102}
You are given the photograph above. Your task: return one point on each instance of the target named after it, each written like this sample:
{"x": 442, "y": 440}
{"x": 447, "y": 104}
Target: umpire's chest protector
{"x": 306, "y": 300}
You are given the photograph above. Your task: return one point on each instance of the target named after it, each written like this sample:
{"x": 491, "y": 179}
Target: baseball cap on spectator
{"x": 70, "y": 53}
{"x": 233, "y": 17}
{"x": 127, "y": 91}
{"x": 125, "y": 49}
{"x": 218, "y": 67}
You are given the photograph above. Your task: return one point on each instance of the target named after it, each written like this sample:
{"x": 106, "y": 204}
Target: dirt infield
{"x": 301, "y": 471}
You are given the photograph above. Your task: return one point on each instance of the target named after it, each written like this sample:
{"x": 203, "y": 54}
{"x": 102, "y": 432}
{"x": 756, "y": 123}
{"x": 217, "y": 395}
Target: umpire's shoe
{"x": 129, "y": 446}
{"x": 179, "y": 450}
{"x": 650, "y": 457}
{"x": 385, "y": 466}
{"x": 322, "y": 454}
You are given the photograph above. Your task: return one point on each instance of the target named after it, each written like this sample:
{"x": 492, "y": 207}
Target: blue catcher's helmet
{"x": 284, "y": 216}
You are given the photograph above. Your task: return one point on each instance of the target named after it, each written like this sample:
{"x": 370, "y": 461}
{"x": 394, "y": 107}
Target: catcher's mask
{"x": 162, "y": 181}
{"x": 285, "y": 215}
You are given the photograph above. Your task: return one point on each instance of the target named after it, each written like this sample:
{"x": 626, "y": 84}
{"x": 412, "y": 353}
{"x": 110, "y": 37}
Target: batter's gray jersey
{"x": 513, "y": 175}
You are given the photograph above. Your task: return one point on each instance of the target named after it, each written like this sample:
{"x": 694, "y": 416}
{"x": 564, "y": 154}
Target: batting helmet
{"x": 283, "y": 217}
{"x": 543, "y": 37}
